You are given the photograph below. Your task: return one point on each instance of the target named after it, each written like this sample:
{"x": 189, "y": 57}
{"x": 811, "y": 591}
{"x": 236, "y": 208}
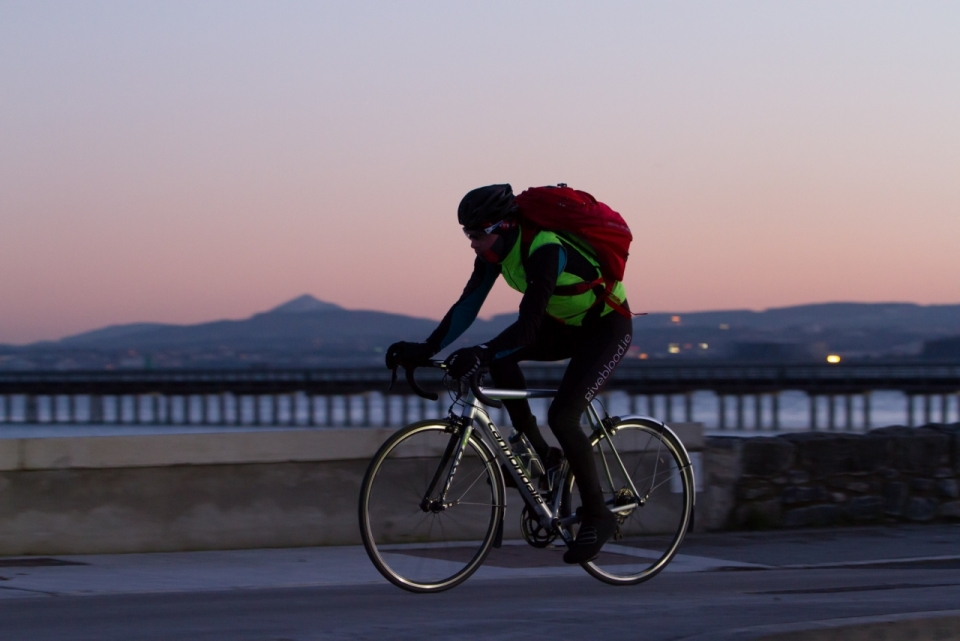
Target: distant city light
{"x": 673, "y": 348}
{"x": 674, "y": 319}
{"x": 703, "y": 346}
{"x": 724, "y": 326}
{"x": 643, "y": 356}
{"x": 833, "y": 358}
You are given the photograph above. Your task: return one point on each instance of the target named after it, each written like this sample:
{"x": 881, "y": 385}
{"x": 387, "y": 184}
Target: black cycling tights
{"x": 594, "y": 350}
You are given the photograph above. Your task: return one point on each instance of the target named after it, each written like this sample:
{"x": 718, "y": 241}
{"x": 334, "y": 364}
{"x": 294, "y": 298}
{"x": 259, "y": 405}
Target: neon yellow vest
{"x": 569, "y": 310}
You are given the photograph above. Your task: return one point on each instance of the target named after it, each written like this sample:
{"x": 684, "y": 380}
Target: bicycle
{"x": 433, "y": 498}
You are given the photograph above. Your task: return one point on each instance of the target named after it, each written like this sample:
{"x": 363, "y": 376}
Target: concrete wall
{"x": 194, "y": 491}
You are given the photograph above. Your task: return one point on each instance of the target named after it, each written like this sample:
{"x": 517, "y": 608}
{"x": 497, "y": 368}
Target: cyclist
{"x": 550, "y": 327}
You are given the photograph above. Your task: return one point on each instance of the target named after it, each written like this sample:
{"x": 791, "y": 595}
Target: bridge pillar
{"x": 257, "y": 410}
{"x": 425, "y": 408}
{"x": 668, "y": 410}
{"x": 651, "y": 405}
{"x": 910, "y": 420}
{"x": 848, "y": 407}
{"x": 927, "y": 409}
{"x": 721, "y": 411}
{"x": 366, "y": 409}
{"x": 775, "y": 410}
{"x": 758, "y": 412}
{"x": 168, "y": 409}
{"x": 688, "y": 407}
{"x": 866, "y": 410}
{"x": 832, "y": 412}
{"x": 739, "y": 411}
{"x": 387, "y": 410}
{"x": 31, "y": 409}
{"x": 944, "y": 409}
{"x": 74, "y": 408}
{"x": 813, "y": 411}
{"x": 273, "y": 400}
{"x": 95, "y": 413}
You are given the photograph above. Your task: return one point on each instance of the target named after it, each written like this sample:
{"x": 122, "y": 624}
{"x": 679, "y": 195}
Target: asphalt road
{"x": 727, "y": 586}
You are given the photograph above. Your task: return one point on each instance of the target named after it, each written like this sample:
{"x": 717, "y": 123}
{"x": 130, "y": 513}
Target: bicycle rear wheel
{"x": 654, "y": 488}
{"x": 416, "y": 541}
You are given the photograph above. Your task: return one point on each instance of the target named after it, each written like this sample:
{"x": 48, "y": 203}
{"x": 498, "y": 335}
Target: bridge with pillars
{"x": 307, "y": 396}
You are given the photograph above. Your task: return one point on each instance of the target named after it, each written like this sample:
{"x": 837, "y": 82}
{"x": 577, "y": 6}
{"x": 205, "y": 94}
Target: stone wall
{"x": 815, "y": 478}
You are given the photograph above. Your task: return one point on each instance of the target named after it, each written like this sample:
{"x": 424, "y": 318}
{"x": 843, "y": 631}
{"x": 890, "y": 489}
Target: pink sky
{"x": 177, "y": 162}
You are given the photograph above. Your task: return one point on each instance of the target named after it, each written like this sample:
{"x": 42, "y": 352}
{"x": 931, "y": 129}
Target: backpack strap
{"x": 602, "y": 289}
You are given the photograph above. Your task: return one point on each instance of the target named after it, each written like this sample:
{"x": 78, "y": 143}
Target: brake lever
{"x": 393, "y": 378}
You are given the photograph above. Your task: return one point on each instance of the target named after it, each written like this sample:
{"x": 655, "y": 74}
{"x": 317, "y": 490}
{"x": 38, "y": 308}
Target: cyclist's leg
{"x": 506, "y": 373}
{"x": 600, "y": 345}
{"x": 551, "y": 345}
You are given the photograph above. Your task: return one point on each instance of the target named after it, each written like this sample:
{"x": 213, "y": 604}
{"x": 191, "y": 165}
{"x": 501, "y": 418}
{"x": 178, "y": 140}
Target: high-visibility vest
{"x": 573, "y": 298}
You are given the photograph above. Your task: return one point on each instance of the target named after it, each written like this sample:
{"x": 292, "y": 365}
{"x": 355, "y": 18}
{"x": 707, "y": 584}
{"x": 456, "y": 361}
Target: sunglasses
{"x": 476, "y": 234}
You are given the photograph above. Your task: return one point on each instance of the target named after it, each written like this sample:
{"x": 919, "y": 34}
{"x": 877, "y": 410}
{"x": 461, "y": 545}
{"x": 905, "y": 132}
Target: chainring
{"x": 534, "y": 533}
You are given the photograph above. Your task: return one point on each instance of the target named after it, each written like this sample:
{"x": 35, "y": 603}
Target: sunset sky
{"x": 190, "y": 161}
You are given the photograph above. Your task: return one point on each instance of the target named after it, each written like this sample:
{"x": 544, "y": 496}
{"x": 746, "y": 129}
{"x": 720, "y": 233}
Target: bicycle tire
{"x": 422, "y": 550}
{"x": 661, "y": 471}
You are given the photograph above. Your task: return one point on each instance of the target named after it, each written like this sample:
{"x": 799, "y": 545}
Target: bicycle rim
{"x": 661, "y": 478}
{"x": 424, "y": 550}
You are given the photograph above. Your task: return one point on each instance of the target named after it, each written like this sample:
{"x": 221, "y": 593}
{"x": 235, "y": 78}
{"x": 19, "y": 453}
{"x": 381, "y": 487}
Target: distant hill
{"x": 304, "y": 330}
{"x": 886, "y": 316}
{"x": 309, "y": 332}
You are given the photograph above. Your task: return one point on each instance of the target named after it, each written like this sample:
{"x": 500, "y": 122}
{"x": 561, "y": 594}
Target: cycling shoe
{"x": 593, "y": 533}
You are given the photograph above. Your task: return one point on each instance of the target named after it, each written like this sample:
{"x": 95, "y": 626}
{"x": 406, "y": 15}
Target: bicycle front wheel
{"x": 648, "y": 481}
{"x": 418, "y": 538}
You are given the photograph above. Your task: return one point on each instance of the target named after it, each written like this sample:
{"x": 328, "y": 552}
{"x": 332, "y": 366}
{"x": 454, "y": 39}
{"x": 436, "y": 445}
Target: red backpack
{"x": 570, "y": 211}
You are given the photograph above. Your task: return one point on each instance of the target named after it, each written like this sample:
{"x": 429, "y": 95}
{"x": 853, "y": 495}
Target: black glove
{"x": 465, "y": 362}
{"x": 408, "y": 355}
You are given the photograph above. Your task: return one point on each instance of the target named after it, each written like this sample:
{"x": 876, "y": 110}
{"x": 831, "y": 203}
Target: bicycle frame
{"x": 474, "y": 416}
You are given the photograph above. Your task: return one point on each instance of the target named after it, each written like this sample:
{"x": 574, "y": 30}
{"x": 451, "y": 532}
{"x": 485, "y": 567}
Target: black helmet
{"x": 486, "y": 205}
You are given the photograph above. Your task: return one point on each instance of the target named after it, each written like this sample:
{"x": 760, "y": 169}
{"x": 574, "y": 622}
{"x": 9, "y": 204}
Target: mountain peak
{"x": 305, "y": 303}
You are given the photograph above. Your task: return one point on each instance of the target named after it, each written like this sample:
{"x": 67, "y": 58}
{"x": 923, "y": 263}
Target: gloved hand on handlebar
{"x": 408, "y": 354}
{"x": 465, "y": 362}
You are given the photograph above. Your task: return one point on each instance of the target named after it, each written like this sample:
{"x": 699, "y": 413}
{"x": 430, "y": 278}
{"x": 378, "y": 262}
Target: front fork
{"x": 454, "y": 450}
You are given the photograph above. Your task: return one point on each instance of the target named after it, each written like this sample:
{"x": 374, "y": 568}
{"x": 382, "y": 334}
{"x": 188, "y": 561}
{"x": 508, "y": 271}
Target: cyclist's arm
{"x": 465, "y": 310}
{"x": 542, "y": 268}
